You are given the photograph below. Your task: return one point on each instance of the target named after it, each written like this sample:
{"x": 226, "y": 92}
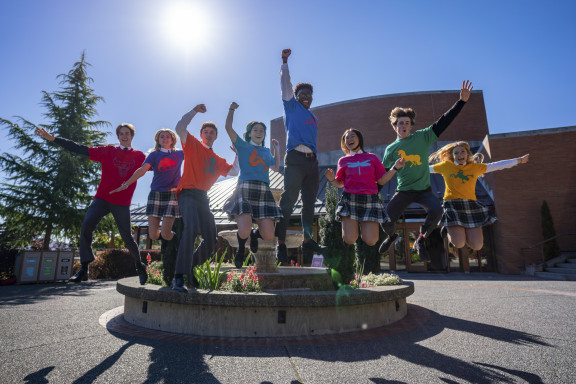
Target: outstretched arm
{"x": 135, "y": 176}
{"x": 229, "y": 120}
{"x": 444, "y": 121}
{"x": 285, "y": 83}
{"x": 503, "y": 164}
{"x": 182, "y": 125}
{"x": 68, "y": 145}
{"x": 388, "y": 175}
{"x": 276, "y": 154}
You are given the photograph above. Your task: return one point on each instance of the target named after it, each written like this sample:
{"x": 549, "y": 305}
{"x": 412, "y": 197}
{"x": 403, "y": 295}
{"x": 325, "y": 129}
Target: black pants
{"x": 301, "y": 176}
{"x": 197, "y": 217}
{"x": 96, "y": 211}
{"x": 402, "y": 199}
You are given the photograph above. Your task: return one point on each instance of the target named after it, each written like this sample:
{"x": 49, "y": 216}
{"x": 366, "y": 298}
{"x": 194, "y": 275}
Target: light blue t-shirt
{"x": 254, "y": 161}
{"x": 301, "y": 126}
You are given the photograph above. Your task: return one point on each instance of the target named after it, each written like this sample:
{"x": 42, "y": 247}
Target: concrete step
{"x": 566, "y": 271}
{"x": 555, "y": 276}
{"x": 569, "y": 255}
{"x": 565, "y": 265}
{"x": 573, "y": 261}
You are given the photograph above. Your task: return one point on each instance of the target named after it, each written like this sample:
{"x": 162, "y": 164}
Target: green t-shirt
{"x": 415, "y": 176}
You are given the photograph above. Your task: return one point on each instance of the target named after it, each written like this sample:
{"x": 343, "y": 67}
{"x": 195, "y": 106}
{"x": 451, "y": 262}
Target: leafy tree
{"x": 551, "y": 248}
{"x": 338, "y": 255}
{"x": 48, "y": 188}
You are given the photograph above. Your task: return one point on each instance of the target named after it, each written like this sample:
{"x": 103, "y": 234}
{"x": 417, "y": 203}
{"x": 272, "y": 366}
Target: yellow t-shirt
{"x": 460, "y": 180}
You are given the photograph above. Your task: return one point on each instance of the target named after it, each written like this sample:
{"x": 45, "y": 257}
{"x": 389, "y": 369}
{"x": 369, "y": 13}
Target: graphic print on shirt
{"x": 311, "y": 121}
{"x": 255, "y": 160}
{"x": 123, "y": 166}
{"x": 210, "y": 166}
{"x": 167, "y": 164}
{"x": 359, "y": 165}
{"x": 460, "y": 175}
{"x": 413, "y": 159}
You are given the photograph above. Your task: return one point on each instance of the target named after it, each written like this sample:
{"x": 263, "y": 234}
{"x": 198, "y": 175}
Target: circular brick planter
{"x": 265, "y": 314}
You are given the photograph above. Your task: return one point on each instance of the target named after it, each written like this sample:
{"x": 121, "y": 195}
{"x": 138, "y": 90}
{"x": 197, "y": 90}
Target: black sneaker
{"x": 312, "y": 246}
{"x": 420, "y": 248}
{"x": 239, "y": 258}
{"x": 282, "y": 253}
{"x": 178, "y": 285}
{"x": 387, "y": 243}
{"x": 253, "y": 241}
{"x": 81, "y": 275}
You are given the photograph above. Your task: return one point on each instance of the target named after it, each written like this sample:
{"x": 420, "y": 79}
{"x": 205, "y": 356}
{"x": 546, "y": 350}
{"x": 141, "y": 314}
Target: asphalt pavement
{"x": 476, "y": 328}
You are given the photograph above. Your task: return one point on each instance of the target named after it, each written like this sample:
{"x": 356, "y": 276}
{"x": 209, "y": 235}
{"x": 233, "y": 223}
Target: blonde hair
{"x": 446, "y": 153}
{"x": 157, "y": 139}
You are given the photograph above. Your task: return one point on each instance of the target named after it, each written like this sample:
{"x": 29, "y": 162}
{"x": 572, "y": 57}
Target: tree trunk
{"x": 47, "y": 236}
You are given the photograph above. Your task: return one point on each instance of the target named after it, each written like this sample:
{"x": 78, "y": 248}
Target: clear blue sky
{"x": 519, "y": 53}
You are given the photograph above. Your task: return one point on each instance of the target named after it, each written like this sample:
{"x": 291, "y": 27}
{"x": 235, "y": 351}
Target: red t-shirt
{"x": 202, "y": 166}
{"x": 118, "y": 166}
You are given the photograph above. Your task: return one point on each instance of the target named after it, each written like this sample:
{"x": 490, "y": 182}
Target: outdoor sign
{"x": 317, "y": 261}
{"x": 64, "y": 266}
{"x": 47, "y": 265}
{"x": 28, "y": 267}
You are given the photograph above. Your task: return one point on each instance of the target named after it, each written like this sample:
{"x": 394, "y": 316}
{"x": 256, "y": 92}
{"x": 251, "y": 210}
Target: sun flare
{"x": 185, "y": 25}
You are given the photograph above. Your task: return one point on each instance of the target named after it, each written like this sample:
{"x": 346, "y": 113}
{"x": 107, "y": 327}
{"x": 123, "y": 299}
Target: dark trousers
{"x": 402, "y": 199}
{"x": 96, "y": 211}
{"x": 196, "y": 217}
{"x": 301, "y": 176}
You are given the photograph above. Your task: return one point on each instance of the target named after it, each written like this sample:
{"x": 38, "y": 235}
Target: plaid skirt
{"x": 361, "y": 208}
{"x": 252, "y": 198}
{"x": 466, "y": 213}
{"x": 162, "y": 204}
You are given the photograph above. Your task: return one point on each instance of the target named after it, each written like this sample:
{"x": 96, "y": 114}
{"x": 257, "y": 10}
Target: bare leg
{"x": 266, "y": 228}
{"x": 244, "y": 223}
{"x": 457, "y": 236}
{"x": 166, "y": 228}
{"x": 370, "y": 232}
{"x": 154, "y": 227}
{"x": 349, "y": 230}
{"x": 475, "y": 238}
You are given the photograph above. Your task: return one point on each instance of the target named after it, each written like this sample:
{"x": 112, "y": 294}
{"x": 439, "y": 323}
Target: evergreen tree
{"x": 338, "y": 255}
{"x": 48, "y": 188}
{"x": 551, "y": 248}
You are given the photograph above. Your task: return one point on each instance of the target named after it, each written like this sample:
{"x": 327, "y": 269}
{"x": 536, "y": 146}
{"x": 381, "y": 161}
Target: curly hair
{"x": 301, "y": 86}
{"x": 402, "y": 112}
{"x": 157, "y": 139}
{"x": 343, "y": 140}
{"x": 446, "y": 153}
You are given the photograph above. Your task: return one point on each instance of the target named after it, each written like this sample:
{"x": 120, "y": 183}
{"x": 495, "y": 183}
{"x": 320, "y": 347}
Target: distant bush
{"x": 116, "y": 263}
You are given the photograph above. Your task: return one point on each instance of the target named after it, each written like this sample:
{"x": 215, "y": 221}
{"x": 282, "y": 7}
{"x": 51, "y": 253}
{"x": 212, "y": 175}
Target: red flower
{"x": 149, "y": 259}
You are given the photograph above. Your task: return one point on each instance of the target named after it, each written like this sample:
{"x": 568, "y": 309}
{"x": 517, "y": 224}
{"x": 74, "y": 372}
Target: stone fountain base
{"x": 267, "y": 314}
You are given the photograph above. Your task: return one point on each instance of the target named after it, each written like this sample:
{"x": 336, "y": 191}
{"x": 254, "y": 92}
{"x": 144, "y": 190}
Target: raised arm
{"x": 229, "y": 119}
{"x": 182, "y": 125}
{"x": 332, "y": 178}
{"x": 285, "y": 83}
{"x": 276, "y": 146}
{"x": 68, "y": 145}
{"x": 135, "y": 176}
{"x": 445, "y": 120}
{"x": 504, "y": 164}
{"x": 388, "y": 175}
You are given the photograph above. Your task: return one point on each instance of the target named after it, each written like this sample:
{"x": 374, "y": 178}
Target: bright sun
{"x": 185, "y": 25}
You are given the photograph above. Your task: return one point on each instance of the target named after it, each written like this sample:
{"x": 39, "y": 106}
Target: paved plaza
{"x": 476, "y": 328}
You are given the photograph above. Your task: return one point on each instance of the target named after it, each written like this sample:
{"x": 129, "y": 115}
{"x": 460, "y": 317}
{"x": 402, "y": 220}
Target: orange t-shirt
{"x": 202, "y": 166}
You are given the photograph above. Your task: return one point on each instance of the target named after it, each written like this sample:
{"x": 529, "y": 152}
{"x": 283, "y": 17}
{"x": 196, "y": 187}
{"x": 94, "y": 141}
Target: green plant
{"x": 155, "y": 275}
{"x": 208, "y": 278}
{"x": 368, "y": 255}
{"x": 372, "y": 280}
{"x": 248, "y": 281}
{"x": 550, "y": 248}
{"x": 338, "y": 255}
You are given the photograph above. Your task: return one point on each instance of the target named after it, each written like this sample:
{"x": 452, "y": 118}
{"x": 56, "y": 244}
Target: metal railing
{"x": 533, "y": 247}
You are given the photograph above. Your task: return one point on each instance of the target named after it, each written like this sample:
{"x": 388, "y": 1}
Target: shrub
{"x": 372, "y": 280}
{"x": 116, "y": 263}
{"x": 248, "y": 281}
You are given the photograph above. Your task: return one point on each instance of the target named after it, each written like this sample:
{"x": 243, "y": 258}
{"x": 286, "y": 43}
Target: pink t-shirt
{"x": 117, "y": 167}
{"x": 360, "y": 172}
